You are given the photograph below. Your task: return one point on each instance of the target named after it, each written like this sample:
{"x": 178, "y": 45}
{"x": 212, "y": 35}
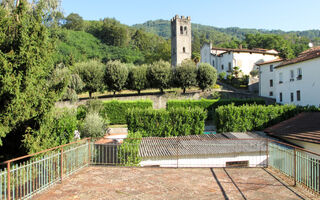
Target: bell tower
{"x": 180, "y": 39}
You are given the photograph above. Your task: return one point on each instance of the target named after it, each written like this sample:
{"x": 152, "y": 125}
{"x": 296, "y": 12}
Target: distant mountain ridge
{"x": 162, "y": 28}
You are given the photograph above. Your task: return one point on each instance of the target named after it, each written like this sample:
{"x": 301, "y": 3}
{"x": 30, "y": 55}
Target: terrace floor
{"x": 164, "y": 183}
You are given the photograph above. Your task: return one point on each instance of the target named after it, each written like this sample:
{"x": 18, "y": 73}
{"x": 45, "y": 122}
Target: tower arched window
{"x": 184, "y": 49}
{"x": 181, "y": 30}
{"x": 185, "y": 30}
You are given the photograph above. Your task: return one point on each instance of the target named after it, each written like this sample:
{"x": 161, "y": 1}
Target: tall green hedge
{"x": 166, "y": 123}
{"x": 128, "y": 153}
{"x": 252, "y": 117}
{"x": 116, "y": 110}
{"x": 211, "y": 104}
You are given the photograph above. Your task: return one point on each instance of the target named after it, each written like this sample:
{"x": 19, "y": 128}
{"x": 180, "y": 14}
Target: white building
{"x": 224, "y": 59}
{"x": 295, "y": 81}
{"x": 267, "y": 78}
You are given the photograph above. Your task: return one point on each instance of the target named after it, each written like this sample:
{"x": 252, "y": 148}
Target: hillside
{"x": 220, "y": 35}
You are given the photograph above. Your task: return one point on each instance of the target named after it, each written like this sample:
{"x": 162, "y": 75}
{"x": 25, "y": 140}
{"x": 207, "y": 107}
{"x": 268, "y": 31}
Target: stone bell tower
{"x": 180, "y": 39}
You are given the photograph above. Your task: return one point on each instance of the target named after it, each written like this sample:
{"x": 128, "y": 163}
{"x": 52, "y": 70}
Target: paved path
{"x": 164, "y": 183}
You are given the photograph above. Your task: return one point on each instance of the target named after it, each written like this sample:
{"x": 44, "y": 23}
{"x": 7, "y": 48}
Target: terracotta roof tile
{"x": 271, "y": 61}
{"x": 306, "y": 55}
{"x": 303, "y": 127}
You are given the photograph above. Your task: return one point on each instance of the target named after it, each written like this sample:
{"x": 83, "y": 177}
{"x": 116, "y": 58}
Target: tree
{"x": 27, "y": 89}
{"x": 206, "y": 76}
{"x": 115, "y": 76}
{"x": 137, "y": 79}
{"x": 186, "y": 74}
{"x": 91, "y": 73}
{"x": 74, "y": 22}
{"x": 159, "y": 74}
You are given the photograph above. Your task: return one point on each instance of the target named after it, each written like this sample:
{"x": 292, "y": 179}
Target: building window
{"x": 298, "y": 95}
{"x": 270, "y": 94}
{"x": 280, "y": 78}
{"x": 271, "y": 68}
{"x": 184, "y": 49}
{"x": 229, "y": 66}
{"x": 181, "y": 30}
{"x": 222, "y": 67}
{"x": 291, "y": 75}
{"x": 291, "y": 97}
{"x": 280, "y": 96}
{"x": 299, "y": 72}
{"x": 271, "y": 83}
{"x": 213, "y": 63}
{"x": 185, "y": 30}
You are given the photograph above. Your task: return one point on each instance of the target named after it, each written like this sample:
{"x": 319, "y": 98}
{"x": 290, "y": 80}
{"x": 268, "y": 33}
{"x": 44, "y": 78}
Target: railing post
{"x": 89, "y": 151}
{"x": 294, "y": 167}
{"x": 267, "y": 151}
{"x": 177, "y": 152}
{"x": 8, "y": 181}
{"x": 61, "y": 163}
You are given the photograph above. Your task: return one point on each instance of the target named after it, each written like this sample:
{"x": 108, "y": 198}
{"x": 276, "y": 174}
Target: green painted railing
{"x": 25, "y": 176}
{"x": 300, "y": 165}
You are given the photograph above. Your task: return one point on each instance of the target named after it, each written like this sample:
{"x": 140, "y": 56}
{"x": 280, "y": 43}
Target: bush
{"x": 186, "y": 75}
{"x": 57, "y": 128}
{"x": 159, "y": 74}
{"x": 222, "y": 75}
{"x": 166, "y": 123}
{"x": 116, "y": 110}
{"x": 128, "y": 152}
{"x": 233, "y": 118}
{"x": 211, "y": 104}
{"x": 93, "y": 125}
{"x": 206, "y": 76}
{"x": 92, "y": 106}
{"x": 115, "y": 77}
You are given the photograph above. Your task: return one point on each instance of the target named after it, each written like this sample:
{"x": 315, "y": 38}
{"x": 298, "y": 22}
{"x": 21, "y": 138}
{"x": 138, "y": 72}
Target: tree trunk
{"x": 161, "y": 90}
{"x": 114, "y": 93}
{"x": 139, "y": 91}
{"x": 90, "y": 94}
{"x": 184, "y": 90}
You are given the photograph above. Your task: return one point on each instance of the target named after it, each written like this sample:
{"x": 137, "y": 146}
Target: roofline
{"x": 307, "y": 59}
{"x": 242, "y": 50}
{"x": 271, "y": 61}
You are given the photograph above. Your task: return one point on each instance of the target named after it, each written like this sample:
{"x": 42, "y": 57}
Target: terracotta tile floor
{"x": 164, "y": 183}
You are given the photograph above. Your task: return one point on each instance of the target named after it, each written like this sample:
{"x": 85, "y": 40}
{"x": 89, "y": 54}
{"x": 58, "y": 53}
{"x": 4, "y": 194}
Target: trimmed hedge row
{"x": 233, "y": 118}
{"x": 116, "y": 110}
{"x": 166, "y": 123}
{"x": 211, "y": 104}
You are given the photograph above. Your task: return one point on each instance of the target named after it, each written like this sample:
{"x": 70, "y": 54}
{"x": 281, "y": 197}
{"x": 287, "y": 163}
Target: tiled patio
{"x": 164, "y": 183}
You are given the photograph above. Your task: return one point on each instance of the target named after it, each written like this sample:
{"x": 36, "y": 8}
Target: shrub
{"x": 186, "y": 74}
{"x": 57, "y": 128}
{"x": 128, "y": 152}
{"x": 93, "y": 125}
{"x": 233, "y": 118}
{"x": 115, "y": 77}
{"x": 206, "y": 76}
{"x": 92, "y": 106}
{"x": 116, "y": 110}
{"x": 165, "y": 123}
{"x": 137, "y": 79}
{"x": 159, "y": 74}
{"x": 222, "y": 75}
{"x": 211, "y": 104}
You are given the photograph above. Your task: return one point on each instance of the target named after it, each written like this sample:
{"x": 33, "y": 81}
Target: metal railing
{"x": 23, "y": 177}
{"x": 299, "y": 164}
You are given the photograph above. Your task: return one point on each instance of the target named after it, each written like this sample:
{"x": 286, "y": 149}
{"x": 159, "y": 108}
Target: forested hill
{"x": 221, "y": 35}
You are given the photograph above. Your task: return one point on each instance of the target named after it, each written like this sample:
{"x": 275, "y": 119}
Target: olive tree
{"x": 137, "y": 79}
{"x": 91, "y": 73}
{"x": 186, "y": 74}
{"x": 159, "y": 74}
{"x": 115, "y": 76}
{"x": 206, "y": 76}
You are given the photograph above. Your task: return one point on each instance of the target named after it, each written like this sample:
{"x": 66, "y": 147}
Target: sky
{"x": 287, "y": 15}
